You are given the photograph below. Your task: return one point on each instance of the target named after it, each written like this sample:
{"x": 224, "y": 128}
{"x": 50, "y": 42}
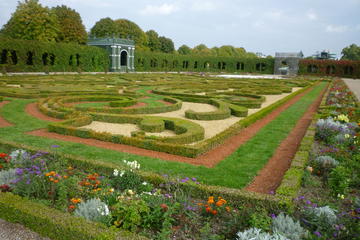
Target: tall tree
{"x": 105, "y": 27}
{"x": 184, "y": 50}
{"x": 31, "y": 21}
{"x": 351, "y": 52}
{"x": 71, "y": 26}
{"x": 202, "y": 49}
{"x": 153, "y": 40}
{"x": 166, "y": 45}
{"x": 128, "y": 29}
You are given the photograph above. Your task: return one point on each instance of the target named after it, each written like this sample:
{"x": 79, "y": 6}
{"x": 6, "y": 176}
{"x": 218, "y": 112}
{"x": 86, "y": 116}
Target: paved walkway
{"x": 354, "y": 85}
{"x": 12, "y": 231}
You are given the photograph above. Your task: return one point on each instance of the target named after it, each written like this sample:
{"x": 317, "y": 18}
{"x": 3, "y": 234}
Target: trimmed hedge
{"x": 150, "y": 61}
{"x": 55, "y": 224}
{"x": 342, "y": 68}
{"x": 34, "y": 56}
{"x": 222, "y": 112}
{"x": 152, "y": 125}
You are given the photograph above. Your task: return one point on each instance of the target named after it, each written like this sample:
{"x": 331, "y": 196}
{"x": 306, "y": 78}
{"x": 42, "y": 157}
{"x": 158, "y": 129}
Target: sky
{"x": 265, "y": 26}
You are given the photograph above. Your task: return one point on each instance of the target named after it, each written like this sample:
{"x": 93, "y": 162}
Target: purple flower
{"x": 55, "y": 146}
{"x": 19, "y": 171}
{"x": 38, "y": 173}
{"x": 308, "y": 202}
{"x": 272, "y": 192}
{"x": 314, "y": 205}
{"x": 317, "y": 233}
{"x": 28, "y": 181}
{"x": 16, "y": 181}
{"x": 273, "y": 215}
{"x": 167, "y": 195}
{"x": 194, "y": 179}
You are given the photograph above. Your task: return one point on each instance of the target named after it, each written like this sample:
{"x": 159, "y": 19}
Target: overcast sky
{"x": 266, "y": 26}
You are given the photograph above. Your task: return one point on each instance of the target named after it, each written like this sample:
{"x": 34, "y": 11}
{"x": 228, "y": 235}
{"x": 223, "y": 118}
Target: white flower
{"x": 347, "y": 135}
{"x": 116, "y": 172}
{"x": 144, "y": 183}
{"x": 341, "y": 196}
{"x": 103, "y": 210}
{"x": 130, "y": 192}
{"x": 122, "y": 173}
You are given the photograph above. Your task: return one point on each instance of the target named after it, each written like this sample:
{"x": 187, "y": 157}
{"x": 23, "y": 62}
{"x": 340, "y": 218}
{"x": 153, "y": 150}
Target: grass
{"x": 239, "y": 168}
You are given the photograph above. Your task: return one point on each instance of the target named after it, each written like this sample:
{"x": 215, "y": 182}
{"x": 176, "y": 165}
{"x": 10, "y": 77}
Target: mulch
{"x": 3, "y": 122}
{"x": 267, "y": 180}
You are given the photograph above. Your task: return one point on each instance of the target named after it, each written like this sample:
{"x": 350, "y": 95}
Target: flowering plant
{"x": 214, "y": 207}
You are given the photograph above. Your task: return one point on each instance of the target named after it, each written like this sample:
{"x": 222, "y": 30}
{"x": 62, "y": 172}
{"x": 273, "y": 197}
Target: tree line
{"x": 32, "y": 21}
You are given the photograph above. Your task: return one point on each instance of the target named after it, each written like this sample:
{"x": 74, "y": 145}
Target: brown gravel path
{"x": 15, "y": 231}
{"x": 33, "y": 110}
{"x": 3, "y": 122}
{"x": 269, "y": 178}
{"x": 209, "y": 159}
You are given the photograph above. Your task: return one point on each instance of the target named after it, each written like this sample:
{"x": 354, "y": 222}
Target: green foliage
{"x": 71, "y": 28}
{"x": 339, "y": 180}
{"x": 166, "y": 45}
{"x": 105, "y": 27}
{"x": 128, "y": 29}
{"x": 35, "y": 56}
{"x": 184, "y": 50}
{"x": 128, "y": 214}
{"x": 260, "y": 220}
{"x": 31, "y": 21}
{"x": 153, "y": 40}
{"x": 351, "y": 52}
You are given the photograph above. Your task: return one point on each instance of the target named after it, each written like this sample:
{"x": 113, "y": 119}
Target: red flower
{"x": 164, "y": 207}
{"x": 5, "y": 188}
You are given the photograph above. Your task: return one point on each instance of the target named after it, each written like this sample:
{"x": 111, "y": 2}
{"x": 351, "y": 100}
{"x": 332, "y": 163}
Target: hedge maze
{"x": 144, "y": 100}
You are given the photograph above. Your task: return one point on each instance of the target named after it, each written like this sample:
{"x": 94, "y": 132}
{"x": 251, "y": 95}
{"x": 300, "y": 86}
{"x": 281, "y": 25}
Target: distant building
{"x": 287, "y": 63}
{"x": 121, "y": 52}
{"x": 260, "y": 55}
{"x": 324, "y": 55}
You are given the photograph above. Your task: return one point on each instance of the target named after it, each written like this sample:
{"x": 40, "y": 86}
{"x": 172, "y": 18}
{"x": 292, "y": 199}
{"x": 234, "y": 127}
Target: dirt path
{"x": 209, "y": 159}
{"x": 32, "y": 110}
{"x": 3, "y": 122}
{"x": 271, "y": 175}
{"x": 15, "y": 231}
{"x": 354, "y": 85}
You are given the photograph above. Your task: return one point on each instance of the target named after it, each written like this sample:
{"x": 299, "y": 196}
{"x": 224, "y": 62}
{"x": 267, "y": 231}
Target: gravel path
{"x": 354, "y": 85}
{"x": 13, "y": 231}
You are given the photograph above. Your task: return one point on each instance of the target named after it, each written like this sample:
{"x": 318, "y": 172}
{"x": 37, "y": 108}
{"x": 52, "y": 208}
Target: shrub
{"x": 286, "y": 226}
{"x": 93, "y": 210}
{"x": 325, "y": 163}
{"x": 321, "y": 217}
{"x": 257, "y": 234}
{"x": 339, "y": 180}
{"x": 7, "y": 177}
{"x": 326, "y": 129}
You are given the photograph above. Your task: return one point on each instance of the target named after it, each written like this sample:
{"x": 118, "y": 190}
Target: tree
{"x": 202, "y": 49}
{"x": 166, "y": 45}
{"x": 105, "y": 27}
{"x": 128, "y": 29}
{"x": 351, "y": 52}
{"x": 184, "y": 50}
{"x": 31, "y": 21}
{"x": 71, "y": 26}
{"x": 153, "y": 40}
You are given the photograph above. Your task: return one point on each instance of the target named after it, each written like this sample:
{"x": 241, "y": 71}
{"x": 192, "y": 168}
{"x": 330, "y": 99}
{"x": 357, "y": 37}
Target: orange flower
{"x": 227, "y": 209}
{"x": 65, "y": 177}
{"x": 211, "y": 200}
{"x": 51, "y": 179}
{"x": 219, "y": 203}
{"x": 75, "y": 200}
{"x": 208, "y": 209}
{"x": 56, "y": 181}
{"x": 71, "y": 207}
{"x": 214, "y": 212}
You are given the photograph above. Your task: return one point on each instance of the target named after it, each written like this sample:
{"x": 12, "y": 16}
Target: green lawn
{"x": 235, "y": 171}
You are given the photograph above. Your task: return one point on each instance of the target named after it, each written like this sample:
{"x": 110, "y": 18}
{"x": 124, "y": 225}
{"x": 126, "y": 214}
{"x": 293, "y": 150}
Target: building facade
{"x": 121, "y": 52}
{"x": 287, "y": 63}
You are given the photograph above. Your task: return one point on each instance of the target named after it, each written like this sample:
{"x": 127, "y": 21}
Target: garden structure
{"x": 121, "y": 52}
{"x": 287, "y": 63}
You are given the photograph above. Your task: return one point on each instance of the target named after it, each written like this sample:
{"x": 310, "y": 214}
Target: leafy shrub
{"x": 326, "y": 129}
{"x": 8, "y": 176}
{"x": 324, "y": 164}
{"x": 260, "y": 220}
{"x": 257, "y": 234}
{"x": 93, "y": 210}
{"x": 321, "y": 217}
{"x": 286, "y": 226}
{"x": 339, "y": 180}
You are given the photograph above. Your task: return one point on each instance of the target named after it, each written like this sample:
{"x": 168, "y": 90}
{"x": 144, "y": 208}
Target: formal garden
{"x": 179, "y": 156}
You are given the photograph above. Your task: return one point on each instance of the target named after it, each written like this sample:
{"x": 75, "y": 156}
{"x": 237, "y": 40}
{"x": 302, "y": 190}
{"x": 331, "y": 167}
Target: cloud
{"x": 164, "y": 9}
{"x": 275, "y": 14}
{"x": 336, "y": 28}
{"x": 203, "y": 6}
{"x": 311, "y": 15}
